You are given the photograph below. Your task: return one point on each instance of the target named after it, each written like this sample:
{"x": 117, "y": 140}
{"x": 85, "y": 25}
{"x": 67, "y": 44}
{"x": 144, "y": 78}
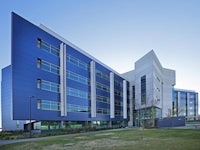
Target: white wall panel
{"x": 63, "y": 67}
{"x": 124, "y": 99}
{"x": 93, "y": 88}
{"x": 112, "y": 96}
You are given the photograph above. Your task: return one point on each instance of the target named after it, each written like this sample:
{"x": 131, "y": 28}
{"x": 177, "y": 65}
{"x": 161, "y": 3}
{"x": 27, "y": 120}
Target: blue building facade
{"x": 68, "y": 84}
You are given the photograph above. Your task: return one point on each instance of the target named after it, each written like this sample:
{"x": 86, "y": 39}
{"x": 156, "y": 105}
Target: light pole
{"x": 31, "y": 97}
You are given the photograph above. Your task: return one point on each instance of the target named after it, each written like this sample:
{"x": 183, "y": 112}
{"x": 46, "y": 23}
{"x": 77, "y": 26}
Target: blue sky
{"x": 119, "y": 32}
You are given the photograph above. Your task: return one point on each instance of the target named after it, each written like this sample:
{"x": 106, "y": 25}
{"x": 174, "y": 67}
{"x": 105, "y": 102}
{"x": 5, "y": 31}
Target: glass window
{"x": 77, "y": 93}
{"x": 102, "y": 75}
{"x": 48, "y": 86}
{"x": 77, "y": 108}
{"x": 103, "y": 111}
{"x": 38, "y": 83}
{"x": 118, "y": 113}
{"x": 48, "y": 105}
{"x": 47, "y": 66}
{"x": 102, "y": 87}
{"x": 77, "y": 62}
{"x": 143, "y": 89}
{"x": 103, "y": 99}
{"x": 39, "y": 63}
{"x": 48, "y": 47}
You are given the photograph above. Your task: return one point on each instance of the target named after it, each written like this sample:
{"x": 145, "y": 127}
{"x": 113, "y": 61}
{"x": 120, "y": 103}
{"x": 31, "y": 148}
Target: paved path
{"x": 3, "y": 142}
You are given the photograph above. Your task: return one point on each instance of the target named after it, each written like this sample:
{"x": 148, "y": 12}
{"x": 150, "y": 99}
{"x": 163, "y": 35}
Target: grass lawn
{"x": 127, "y": 139}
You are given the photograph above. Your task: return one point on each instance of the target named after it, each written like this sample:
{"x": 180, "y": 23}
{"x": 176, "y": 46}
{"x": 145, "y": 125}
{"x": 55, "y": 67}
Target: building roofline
{"x": 184, "y": 90}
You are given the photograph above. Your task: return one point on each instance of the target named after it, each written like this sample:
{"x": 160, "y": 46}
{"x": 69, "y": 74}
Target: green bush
{"x": 5, "y": 135}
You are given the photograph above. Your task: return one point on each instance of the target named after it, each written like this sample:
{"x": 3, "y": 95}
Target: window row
{"x": 118, "y": 93}
{"x": 77, "y": 93}
{"x": 118, "y": 103}
{"x": 54, "y": 87}
{"x": 48, "y": 47}
{"x": 44, "y": 65}
{"x": 76, "y": 77}
{"x": 102, "y": 75}
{"x": 118, "y": 83}
{"x": 48, "y": 86}
{"x": 102, "y": 87}
{"x": 77, "y": 108}
{"x": 48, "y": 105}
{"x": 77, "y": 62}
{"x": 103, "y": 111}
{"x": 118, "y": 113}
{"x": 103, "y": 99}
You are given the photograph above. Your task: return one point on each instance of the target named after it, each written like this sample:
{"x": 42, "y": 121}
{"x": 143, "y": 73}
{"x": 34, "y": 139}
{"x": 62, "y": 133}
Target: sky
{"x": 118, "y": 32}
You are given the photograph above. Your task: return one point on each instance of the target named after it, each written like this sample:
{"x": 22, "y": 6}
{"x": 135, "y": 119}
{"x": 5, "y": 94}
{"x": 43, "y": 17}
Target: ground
{"x": 127, "y": 139}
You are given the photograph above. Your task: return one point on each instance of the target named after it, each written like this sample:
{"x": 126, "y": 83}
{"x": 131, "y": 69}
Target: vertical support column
{"x": 178, "y": 104}
{"x": 131, "y": 105}
{"x": 196, "y": 105}
{"x": 124, "y": 99}
{"x": 93, "y": 88}
{"x": 187, "y": 105}
{"x": 63, "y": 67}
{"x": 112, "y": 96}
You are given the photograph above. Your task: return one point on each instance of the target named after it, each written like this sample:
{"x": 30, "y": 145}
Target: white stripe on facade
{"x": 197, "y": 109}
{"x": 188, "y": 105}
{"x": 63, "y": 67}
{"x": 124, "y": 99}
{"x": 93, "y": 89}
{"x": 179, "y": 106}
{"x": 112, "y": 96}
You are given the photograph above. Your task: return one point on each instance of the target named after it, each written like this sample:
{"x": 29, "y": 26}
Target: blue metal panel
{"x": 25, "y": 74}
{"x": 6, "y": 89}
{"x": 170, "y": 122}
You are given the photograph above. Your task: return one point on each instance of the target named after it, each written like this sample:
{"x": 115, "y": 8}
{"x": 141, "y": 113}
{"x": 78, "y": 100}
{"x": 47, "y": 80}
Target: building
{"x": 53, "y": 84}
{"x": 70, "y": 87}
{"x": 152, "y": 87}
{"x": 185, "y": 103}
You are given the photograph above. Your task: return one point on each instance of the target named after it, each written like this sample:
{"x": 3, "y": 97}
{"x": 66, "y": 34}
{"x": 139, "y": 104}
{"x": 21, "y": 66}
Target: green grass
{"x": 128, "y": 139}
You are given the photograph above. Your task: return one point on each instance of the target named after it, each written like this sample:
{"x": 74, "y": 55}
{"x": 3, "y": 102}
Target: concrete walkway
{"x": 3, "y": 142}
